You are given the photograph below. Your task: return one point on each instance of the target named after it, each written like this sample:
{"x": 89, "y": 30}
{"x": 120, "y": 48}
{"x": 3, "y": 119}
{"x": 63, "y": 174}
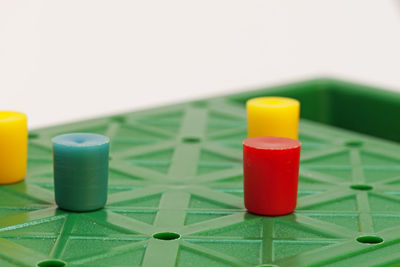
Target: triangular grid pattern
{"x": 178, "y": 170}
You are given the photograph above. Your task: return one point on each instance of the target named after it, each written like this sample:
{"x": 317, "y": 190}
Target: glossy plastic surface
{"x": 176, "y": 198}
{"x": 13, "y": 146}
{"x": 273, "y": 116}
{"x": 270, "y": 174}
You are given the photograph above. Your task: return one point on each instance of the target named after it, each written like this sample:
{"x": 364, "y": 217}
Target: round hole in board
{"x": 119, "y": 119}
{"x": 167, "y": 236}
{"x": 51, "y": 263}
{"x": 33, "y": 135}
{"x": 370, "y": 239}
{"x": 191, "y": 139}
{"x": 354, "y": 143}
{"x": 363, "y": 187}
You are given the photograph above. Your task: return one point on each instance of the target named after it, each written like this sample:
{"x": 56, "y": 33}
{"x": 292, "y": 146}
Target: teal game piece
{"x": 80, "y": 171}
{"x": 175, "y": 194}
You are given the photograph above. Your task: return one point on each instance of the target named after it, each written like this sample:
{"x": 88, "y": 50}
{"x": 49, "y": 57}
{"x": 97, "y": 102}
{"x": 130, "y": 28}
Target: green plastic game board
{"x": 175, "y": 189}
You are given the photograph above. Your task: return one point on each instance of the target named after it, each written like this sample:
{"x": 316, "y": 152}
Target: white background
{"x": 69, "y": 60}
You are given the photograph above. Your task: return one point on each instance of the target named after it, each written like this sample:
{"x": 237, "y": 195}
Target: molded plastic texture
{"x": 273, "y": 116}
{"x": 13, "y": 146}
{"x": 270, "y": 172}
{"x": 80, "y": 171}
{"x": 178, "y": 169}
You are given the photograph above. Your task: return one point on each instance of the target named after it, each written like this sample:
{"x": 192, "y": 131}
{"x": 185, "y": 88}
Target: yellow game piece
{"x": 13, "y": 146}
{"x": 273, "y": 116}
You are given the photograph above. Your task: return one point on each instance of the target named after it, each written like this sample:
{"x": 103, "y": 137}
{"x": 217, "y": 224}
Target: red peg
{"x": 271, "y": 174}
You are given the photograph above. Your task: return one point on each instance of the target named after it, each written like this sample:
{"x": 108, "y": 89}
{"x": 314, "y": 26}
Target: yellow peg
{"x": 273, "y": 116}
{"x": 13, "y": 146}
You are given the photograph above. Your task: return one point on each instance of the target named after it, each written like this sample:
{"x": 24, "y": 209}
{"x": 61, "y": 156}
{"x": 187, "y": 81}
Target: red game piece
{"x": 271, "y": 172}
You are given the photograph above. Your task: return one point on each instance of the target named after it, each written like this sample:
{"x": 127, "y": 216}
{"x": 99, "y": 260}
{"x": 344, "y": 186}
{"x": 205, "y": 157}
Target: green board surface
{"x": 176, "y": 193}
